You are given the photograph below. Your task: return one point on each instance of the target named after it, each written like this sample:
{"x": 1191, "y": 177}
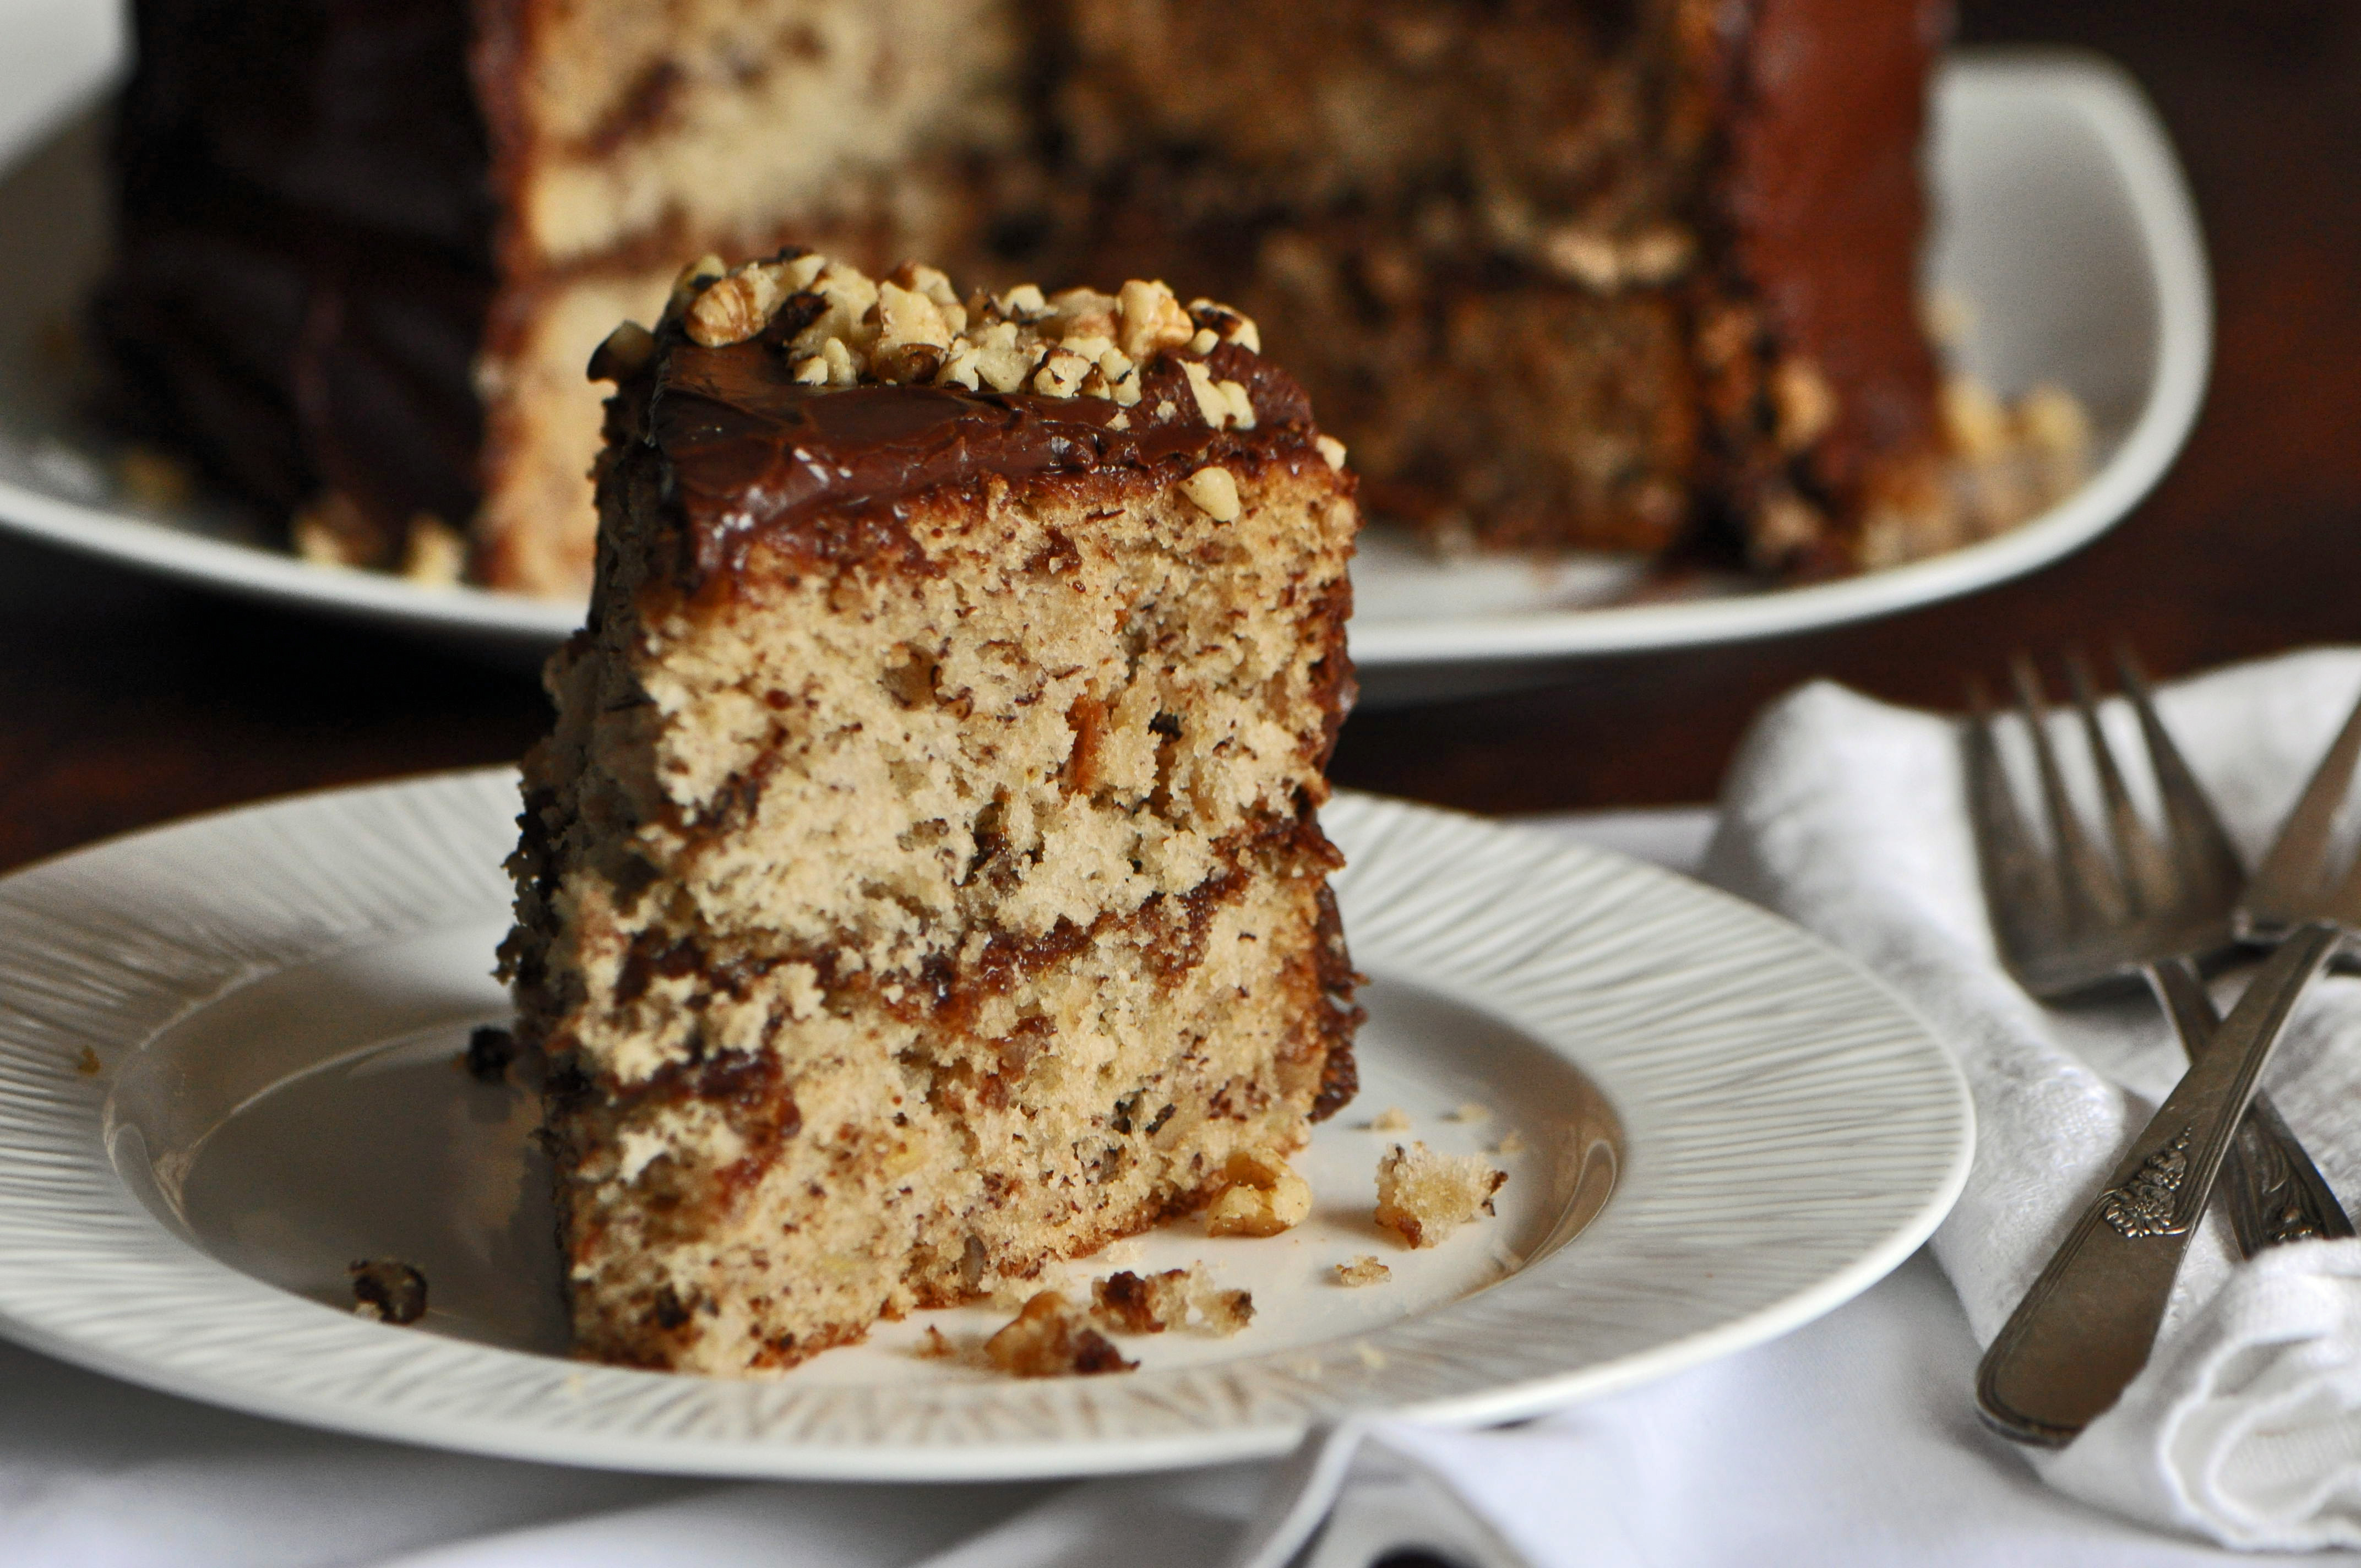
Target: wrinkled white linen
{"x": 1848, "y": 816}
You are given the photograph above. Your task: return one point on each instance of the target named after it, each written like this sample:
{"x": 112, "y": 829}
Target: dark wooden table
{"x": 124, "y": 702}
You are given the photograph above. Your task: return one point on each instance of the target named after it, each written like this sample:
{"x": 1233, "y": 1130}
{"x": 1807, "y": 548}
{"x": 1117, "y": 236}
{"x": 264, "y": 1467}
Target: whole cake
{"x": 922, "y": 881}
{"x": 1620, "y": 273}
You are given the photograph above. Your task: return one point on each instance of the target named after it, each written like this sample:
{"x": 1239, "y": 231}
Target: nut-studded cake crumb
{"x": 1263, "y": 1197}
{"x": 1136, "y": 1304}
{"x": 1423, "y": 1196}
{"x": 1365, "y": 1269}
{"x": 1053, "y": 1338}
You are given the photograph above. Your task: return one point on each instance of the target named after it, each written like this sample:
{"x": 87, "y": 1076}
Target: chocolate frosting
{"x": 1821, "y": 193}
{"x": 829, "y": 473}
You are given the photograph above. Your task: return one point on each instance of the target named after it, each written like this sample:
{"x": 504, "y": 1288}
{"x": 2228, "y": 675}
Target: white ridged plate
{"x": 225, "y": 1069}
{"x": 2062, "y": 221}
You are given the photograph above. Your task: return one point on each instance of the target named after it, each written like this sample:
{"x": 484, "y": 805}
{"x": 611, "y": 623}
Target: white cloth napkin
{"x": 1848, "y": 816}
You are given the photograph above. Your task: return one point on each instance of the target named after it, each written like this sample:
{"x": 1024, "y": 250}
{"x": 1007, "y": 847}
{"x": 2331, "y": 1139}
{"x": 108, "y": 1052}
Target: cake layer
{"x": 880, "y": 1155}
{"x": 614, "y": 121}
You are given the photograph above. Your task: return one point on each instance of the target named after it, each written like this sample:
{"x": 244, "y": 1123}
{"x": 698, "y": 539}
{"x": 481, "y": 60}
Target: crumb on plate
{"x": 1423, "y": 1196}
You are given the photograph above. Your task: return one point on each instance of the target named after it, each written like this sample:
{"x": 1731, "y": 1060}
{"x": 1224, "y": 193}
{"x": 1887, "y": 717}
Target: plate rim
{"x": 2127, "y": 126}
{"x": 1537, "y": 855}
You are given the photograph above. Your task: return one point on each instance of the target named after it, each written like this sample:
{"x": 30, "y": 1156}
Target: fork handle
{"x": 2084, "y": 1329}
{"x": 2273, "y": 1191}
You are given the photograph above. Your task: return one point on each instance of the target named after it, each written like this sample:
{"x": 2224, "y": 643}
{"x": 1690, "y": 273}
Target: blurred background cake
{"x": 1620, "y": 273}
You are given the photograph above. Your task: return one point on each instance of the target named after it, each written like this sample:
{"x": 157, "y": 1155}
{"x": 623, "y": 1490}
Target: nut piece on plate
{"x": 1052, "y": 1338}
{"x": 1263, "y": 1198}
{"x": 1423, "y": 1196}
{"x": 388, "y": 1291}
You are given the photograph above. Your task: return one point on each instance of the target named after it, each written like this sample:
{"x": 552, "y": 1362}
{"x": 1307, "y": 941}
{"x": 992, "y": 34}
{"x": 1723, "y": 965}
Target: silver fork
{"x": 2298, "y": 879}
{"x": 2073, "y": 924}
{"x": 2069, "y": 924}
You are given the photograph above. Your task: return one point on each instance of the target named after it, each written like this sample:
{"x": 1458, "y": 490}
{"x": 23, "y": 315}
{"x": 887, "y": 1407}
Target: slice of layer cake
{"x": 922, "y": 882}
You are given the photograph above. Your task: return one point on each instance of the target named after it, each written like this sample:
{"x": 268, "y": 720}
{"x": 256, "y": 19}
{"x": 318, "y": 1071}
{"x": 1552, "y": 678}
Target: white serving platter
{"x": 227, "y": 1067}
{"x": 2063, "y": 222}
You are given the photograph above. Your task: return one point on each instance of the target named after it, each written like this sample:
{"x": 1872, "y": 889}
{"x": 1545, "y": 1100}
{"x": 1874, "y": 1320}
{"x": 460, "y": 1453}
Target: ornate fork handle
{"x": 2084, "y": 1329}
{"x": 2273, "y": 1191}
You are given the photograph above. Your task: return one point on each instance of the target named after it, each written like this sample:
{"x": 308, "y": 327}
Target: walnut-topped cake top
{"x": 838, "y": 328}
{"x": 797, "y": 400}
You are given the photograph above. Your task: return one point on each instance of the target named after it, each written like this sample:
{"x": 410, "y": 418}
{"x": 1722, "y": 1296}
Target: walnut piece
{"x": 1423, "y": 1196}
{"x": 1214, "y": 492}
{"x": 1263, "y": 1197}
{"x": 1052, "y": 1338}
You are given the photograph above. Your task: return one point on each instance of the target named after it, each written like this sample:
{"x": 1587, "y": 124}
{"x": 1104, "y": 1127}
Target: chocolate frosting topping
{"x": 830, "y": 471}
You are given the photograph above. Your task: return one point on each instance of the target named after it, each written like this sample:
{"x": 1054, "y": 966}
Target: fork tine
{"x": 2297, "y": 864}
{"x": 2092, "y": 897}
{"x": 2020, "y": 884}
{"x": 2209, "y": 865}
{"x": 2148, "y": 883}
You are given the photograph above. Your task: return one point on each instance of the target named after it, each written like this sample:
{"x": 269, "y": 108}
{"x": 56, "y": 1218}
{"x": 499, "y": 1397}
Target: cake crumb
{"x": 1471, "y": 1112}
{"x": 87, "y": 1064}
{"x": 933, "y": 1346}
{"x": 1512, "y": 1143}
{"x": 1365, "y": 1269}
{"x": 1391, "y": 1119}
{"x": 388, "y": 1291}
{"x": 1423, "y": 1196}
{"x": 1371, "y": 1356}
{"x": 1150, "y": 1304}
{"x": 1124, "y": 1252}
{"x": 1264, "y": 1198}
{"x": 1051, "y": 1338}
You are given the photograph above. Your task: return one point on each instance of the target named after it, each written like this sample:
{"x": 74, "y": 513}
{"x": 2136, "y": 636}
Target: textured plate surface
{"x": 226, "y": 1067}
{"x": 2063, "y": 222}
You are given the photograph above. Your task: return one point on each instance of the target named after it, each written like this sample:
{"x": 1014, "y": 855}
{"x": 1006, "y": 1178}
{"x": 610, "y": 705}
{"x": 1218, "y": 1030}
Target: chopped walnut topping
{"x": 1051, "y": 1338}
{"x": 1363, "y": 1270}
{"x": 1152, "y": 320}
{"x": 1423, "y": 1196}
{"x": 1134, "y": 1304}
{"x": 1263, "y": 1197}
{"x": 1214, "y": 492}
{"x": 1332, "y": 451}
{"x": 911, "y": 328}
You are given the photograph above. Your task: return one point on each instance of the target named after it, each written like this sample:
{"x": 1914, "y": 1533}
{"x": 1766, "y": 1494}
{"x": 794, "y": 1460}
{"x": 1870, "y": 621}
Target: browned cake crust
{"x": 922, "y": 882}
